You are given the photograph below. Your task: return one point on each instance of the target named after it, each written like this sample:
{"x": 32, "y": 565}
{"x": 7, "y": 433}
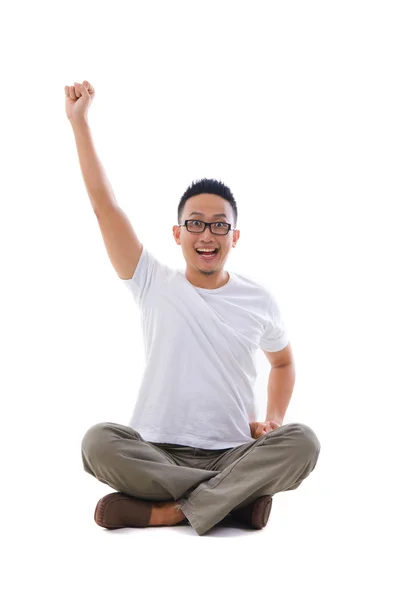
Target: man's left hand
{"x": 259, "y": 429}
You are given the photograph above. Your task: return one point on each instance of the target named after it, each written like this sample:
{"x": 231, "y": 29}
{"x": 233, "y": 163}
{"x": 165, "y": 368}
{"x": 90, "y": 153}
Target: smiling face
{"x": 204, "y": 272}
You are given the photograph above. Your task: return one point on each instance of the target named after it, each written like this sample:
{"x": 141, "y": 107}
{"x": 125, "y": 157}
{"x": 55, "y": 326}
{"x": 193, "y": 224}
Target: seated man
{"x": 193, "y": 450}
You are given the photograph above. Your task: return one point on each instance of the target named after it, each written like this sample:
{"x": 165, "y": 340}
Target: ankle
{"x": 166, "y": 513}
{"x": 157, "y": 516}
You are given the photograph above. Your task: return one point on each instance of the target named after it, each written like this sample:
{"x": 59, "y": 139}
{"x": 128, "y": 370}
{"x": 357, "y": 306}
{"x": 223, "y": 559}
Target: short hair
{"x": 208, "y": 186}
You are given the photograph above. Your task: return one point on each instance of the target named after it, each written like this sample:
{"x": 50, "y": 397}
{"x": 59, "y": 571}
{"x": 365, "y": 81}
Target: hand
{"x": 78, "y": 100}
{"x": 259, "y": 429}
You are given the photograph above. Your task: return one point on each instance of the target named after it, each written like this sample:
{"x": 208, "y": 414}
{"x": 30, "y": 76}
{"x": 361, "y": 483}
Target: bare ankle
{"x": 156, "y": 516}
{"x": 166, "y": 513}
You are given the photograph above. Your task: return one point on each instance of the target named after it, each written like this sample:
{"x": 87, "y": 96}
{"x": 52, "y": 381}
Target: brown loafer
{"x": 256, "y": 514}
{"x": 120, "y": 510}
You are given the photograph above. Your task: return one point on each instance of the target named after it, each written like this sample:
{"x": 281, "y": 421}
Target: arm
{"x": 280, "y": 384}
{"x": 78, "y": 99}
{"x": 122, "y": 245}
{"x": 279, "y": 391}
{"x": 96, "y": 182}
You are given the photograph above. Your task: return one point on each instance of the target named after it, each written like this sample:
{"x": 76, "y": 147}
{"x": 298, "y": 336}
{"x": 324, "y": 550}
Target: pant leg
{"x": 118, "y": 456}
{"x": 276, "y": 462}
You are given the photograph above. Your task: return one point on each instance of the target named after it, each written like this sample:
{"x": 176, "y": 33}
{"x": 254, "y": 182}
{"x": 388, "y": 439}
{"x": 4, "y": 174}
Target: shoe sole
{"x": 118, "y": 510}
{"x": 261, "y": 512}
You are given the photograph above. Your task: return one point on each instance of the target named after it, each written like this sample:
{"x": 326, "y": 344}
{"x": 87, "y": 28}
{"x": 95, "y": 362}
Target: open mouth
{"x": 208, "y": 255}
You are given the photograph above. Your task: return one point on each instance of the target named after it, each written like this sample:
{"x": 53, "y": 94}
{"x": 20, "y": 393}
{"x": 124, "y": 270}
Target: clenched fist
{"x": 78, "y": 100}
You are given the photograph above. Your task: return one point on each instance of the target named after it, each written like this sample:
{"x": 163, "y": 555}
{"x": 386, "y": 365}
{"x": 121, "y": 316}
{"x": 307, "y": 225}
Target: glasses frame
{"x": 207, "y": 225}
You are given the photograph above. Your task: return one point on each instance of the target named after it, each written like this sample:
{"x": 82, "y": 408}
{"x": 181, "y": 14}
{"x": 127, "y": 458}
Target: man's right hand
{"x": 78, "y": 100}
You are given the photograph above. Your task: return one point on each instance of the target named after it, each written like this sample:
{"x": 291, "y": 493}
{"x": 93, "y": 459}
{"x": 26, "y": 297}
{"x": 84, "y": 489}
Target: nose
{"x": 208, "y": 238}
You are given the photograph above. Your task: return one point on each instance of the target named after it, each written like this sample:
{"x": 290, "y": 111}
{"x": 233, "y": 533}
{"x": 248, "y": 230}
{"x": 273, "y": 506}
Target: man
{"x": 193, "y": 451}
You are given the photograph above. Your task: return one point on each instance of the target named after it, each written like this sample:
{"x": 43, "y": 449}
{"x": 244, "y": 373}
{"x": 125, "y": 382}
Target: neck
{"x": 209, "y": 280}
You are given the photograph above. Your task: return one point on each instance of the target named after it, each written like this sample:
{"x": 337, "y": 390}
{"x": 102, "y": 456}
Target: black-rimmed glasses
{"x": 217, "y": 227}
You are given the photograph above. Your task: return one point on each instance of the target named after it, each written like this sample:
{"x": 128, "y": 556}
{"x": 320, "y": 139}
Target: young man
{"x": 193, "y": 451}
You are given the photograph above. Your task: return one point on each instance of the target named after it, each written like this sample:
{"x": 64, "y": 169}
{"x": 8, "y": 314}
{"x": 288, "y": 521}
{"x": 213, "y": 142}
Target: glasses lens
{"x": 219, "y": 228}
{"x": 195, "y": 226}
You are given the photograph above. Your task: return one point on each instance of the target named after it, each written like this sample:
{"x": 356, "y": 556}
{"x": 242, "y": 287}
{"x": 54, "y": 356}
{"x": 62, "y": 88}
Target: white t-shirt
{"x": 200, "y": 346}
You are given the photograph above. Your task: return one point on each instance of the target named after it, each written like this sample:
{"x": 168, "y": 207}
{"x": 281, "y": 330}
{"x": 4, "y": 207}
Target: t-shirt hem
{"x": 275, "y": 346}
{"x": 194, "y": 443}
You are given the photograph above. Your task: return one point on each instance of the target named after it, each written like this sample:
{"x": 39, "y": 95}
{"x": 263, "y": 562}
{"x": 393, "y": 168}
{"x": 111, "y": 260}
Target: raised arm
{"x": 122, "y": 245}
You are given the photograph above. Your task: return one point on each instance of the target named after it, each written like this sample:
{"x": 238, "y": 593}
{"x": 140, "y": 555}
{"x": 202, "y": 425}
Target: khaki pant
{"x": 208, "y": 484}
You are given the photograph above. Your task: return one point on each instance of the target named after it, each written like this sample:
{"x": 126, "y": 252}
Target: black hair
{"x": 208, "y": 186}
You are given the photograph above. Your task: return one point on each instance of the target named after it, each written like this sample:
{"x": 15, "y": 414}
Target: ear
{"x": 177, "y": 233}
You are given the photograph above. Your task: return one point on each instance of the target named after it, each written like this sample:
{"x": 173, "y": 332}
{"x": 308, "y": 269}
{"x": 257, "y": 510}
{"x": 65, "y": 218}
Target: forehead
{"x": 207, "y": 205}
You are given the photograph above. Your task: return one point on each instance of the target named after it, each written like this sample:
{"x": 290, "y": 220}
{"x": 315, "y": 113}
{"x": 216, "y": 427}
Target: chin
{"x": 208, "y": 272}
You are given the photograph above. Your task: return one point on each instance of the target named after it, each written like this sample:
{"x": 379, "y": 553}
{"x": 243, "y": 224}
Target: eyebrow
{"x": 203, "y": 215}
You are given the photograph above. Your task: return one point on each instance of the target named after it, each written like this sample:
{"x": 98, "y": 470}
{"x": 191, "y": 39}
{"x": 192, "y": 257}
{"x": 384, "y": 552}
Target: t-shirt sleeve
{"x": 149, "y": 273}
{"x": 275, "y": 335}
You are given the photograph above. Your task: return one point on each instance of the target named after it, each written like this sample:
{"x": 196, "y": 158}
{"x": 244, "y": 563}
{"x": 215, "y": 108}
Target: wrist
{"x": 275, "y": 418}
{"x": 79, "y": 124}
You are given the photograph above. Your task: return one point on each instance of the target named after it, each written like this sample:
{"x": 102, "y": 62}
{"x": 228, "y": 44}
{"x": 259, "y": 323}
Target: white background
{"x": 293, "y": 106}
